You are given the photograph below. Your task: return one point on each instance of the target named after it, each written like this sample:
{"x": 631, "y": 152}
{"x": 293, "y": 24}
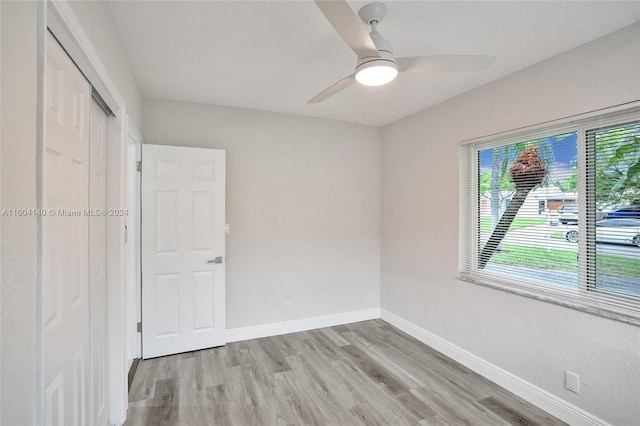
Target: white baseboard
{"x": 294, "y": 326}
{"x": 558, "y": 407}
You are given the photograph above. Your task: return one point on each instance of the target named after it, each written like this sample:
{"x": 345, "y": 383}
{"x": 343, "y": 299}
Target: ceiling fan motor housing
{"x": 385, "y": 50}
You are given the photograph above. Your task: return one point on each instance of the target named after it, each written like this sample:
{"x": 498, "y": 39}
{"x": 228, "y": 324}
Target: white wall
{"x": 18, "y": 234}
{"x": 303, "y": 202}
{"x": 533, "y": 340}
{"x": 99, "y": 26}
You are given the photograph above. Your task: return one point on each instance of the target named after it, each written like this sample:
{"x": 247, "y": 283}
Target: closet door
{"x": 66, "y": 300}
{"x": 97, "y": 263}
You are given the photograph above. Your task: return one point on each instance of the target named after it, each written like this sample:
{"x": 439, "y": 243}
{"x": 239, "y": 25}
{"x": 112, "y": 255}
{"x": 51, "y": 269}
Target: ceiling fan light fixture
{"x": 376, "y": 73}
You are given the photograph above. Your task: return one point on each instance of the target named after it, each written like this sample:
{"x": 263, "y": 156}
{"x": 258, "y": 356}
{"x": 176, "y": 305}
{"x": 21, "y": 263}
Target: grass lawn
{"x": 536, "y": 258}
{"x": 564, "y": 260}
{"x": 518, "y": 222}
{"x": 554, "y": 259}
{"x": 617, "y": 266}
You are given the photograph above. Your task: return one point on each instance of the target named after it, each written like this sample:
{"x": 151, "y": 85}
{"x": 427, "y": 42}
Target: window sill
{"x": 543, "y": 297}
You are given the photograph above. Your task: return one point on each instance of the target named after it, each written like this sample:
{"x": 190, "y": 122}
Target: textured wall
{"x": 303, "y": 202}
{"x": 533, "y": 340}
{"x": 18, "y": 234}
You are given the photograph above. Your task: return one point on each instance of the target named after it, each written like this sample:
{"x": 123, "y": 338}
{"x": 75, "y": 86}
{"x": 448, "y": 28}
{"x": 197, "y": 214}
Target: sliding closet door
{"x": 74, "y": 248}
{"x": 66, "y": 302}
{"x": 98, "y": 263}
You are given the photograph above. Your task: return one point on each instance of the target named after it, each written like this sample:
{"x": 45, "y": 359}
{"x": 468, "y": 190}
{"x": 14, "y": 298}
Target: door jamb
{"x": 134, "y": 282}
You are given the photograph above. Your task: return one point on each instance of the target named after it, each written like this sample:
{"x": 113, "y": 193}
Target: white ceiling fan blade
{"x": 456, "y": 63}
{"x": 349, "y": 26}
{"x": 332, "y": 90}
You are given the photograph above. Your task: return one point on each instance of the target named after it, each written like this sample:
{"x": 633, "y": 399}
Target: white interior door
{"x": 98, "y": 263}
{"x": 183, "y": 249}
{"x": 67, "y": 342}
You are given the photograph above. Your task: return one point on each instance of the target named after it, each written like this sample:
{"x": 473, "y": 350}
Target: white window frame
{"x": 622, "y": 308}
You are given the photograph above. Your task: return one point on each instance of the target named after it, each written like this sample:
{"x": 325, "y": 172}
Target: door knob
{"x": 216, "y": 260}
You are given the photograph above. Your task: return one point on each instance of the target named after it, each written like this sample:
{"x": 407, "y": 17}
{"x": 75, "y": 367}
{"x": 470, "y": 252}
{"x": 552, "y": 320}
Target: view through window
{"x": 551, "y": 217}
{"x": 615, "y": 166}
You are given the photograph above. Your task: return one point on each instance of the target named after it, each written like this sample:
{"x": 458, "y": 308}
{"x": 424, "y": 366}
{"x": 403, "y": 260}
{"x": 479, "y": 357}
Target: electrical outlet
{"x": 572, "y": 382}
{"x": 288, "y": 307}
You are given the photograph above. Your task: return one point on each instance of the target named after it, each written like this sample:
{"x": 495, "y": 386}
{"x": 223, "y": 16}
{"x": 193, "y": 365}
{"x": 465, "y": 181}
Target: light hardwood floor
{"x": 364, "y": 373}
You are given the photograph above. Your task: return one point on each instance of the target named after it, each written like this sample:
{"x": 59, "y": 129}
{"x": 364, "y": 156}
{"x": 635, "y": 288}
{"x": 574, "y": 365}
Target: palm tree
{"x": 526, "y": 173}
{"x": 504, "y": 156}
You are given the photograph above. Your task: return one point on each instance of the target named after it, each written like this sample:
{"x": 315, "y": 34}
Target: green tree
{"x": 617, "y": 167}
{"x": 496, "y": 192}
{"x": 617, "y": 173}
{"x": 571, "y": 183}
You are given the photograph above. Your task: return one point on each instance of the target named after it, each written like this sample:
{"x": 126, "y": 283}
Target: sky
{"x": 565, "y": 150}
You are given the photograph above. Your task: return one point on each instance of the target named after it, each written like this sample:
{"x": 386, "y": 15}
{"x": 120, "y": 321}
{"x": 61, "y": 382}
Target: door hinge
{"x": 139, "y": 327}
{"x": 139, "y": 166}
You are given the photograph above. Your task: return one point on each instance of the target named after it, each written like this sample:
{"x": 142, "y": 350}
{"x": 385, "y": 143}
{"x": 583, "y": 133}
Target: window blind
{"x": 551, "y": 214}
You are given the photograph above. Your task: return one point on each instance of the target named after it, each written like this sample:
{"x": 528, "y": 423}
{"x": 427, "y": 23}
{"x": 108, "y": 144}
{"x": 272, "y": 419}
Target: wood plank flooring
{"x": 367, "y": 373}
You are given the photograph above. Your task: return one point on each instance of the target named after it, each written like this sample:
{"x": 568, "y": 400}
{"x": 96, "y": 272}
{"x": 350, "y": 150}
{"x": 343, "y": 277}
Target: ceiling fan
{"x": 376, "y": 63}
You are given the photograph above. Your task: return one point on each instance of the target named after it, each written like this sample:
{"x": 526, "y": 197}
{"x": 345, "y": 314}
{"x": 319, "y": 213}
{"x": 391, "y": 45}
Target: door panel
{"x": 183, "y": 202}
{"x": 65, "y": 241}
{"x": 203, "y": 300}
{"x": 167, "y": 296}
{"x": 167, "y": 216}
{"x": 54, "y": 401}
{"x": 201, "y": 228}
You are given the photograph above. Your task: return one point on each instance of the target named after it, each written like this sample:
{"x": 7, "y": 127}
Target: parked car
{"x": 631, "y": 212}
{"x": 568, "y": 214}
{"x": 620, "y": 231}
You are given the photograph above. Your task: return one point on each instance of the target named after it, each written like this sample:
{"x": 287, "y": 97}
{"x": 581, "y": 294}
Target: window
{"x": 554, "y": 214}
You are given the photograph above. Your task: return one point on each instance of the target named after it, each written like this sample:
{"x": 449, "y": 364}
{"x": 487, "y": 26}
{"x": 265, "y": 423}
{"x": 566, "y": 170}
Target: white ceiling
{"x": 276, "y": 55}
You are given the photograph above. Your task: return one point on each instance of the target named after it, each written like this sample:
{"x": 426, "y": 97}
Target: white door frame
{"x": 62, "y": 22}
{"x": 134, "y": 283}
